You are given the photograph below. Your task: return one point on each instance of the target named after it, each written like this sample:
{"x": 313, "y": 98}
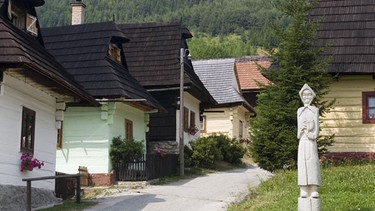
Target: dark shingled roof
{"x": 153, "y": 57}
{"x": 347, "y": 27}
{"x": 23, "y": 55}
{"x": 82, "y": 50}
{"x": 219, "y": 77}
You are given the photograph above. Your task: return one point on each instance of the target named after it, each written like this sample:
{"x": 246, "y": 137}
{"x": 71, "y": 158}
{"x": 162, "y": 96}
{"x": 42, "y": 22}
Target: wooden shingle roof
{"x": 347, "y": 27}
{"x": 82, "y": 50}
{"x": 219, "y": 77}
{"x": 153, "y": 56}
{"x": 23, "y": 56}
{"x": 249, "y": 74}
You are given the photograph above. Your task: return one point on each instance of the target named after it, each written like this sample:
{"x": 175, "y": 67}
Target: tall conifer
{"x": 296, "y": 61}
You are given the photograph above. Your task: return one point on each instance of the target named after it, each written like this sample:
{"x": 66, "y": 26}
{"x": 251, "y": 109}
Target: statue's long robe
{"x": 308, "y": 159}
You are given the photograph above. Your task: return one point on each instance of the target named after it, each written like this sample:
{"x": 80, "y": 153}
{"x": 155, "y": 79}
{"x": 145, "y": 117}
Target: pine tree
{"x": 274, "y": 143}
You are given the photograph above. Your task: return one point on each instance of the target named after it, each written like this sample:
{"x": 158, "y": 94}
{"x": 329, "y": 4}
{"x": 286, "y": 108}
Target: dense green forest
{"x": 221, "y": 28}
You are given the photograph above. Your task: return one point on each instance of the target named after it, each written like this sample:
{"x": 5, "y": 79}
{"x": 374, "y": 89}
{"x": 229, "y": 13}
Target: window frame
{"x": 25, "y": 123}
{"x": 129, "y": 130}
{"x": 186, "y": 118}
{"x": 241, "y": 127}
{"x": 114, "y": 52}
{"x": 203, "y": 124}
{"x": 365, "y": 108}
{"x": 192, "y": 119}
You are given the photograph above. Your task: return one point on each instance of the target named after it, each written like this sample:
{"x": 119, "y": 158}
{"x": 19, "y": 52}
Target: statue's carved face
{"x": 307, "y": 97}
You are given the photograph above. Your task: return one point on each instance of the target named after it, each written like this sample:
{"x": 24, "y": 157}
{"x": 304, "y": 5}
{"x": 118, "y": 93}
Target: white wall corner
{"x": 58, "y": 124}
{"x": 59, "y": 115}
{"x": 61, "y": 106}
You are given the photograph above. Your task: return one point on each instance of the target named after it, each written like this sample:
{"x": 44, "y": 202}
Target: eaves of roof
{"x": 27, "y": 57}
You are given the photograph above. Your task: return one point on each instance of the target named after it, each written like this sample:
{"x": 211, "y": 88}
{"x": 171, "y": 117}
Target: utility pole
{"x": 181, "y": 122}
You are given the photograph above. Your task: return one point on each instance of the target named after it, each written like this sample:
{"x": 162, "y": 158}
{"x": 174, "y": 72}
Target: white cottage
{"x": 34, "y": 91}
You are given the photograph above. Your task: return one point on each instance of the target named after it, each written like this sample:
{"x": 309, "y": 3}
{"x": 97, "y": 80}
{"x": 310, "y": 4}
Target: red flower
{"x": 28, "y": 163}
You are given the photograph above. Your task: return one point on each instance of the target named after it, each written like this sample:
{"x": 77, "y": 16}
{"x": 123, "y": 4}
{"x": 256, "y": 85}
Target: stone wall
{"x": 14, "y": 198}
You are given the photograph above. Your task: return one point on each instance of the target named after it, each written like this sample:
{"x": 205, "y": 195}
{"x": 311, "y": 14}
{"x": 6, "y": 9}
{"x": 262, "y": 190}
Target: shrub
{"x": 234, "y": 153}
{"x": 205, "y": 152}
{"x": 122, "y": 150}
{"x": 188, "y": 160}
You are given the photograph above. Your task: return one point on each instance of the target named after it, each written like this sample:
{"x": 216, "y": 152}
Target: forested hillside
{"x": 221, "y": 28}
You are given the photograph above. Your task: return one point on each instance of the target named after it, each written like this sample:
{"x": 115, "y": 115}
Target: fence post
{"x": 28, "y": 195}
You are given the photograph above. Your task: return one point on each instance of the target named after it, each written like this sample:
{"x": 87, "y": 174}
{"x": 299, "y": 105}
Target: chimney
{"x": 78, "y": 12}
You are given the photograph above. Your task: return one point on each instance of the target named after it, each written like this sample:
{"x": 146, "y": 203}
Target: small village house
{"x": 346, "y": 27}
{"x": 34, "y": 92}
{"x": 249, "y": 75}
{"x": 153, "y": 58}
{"x": 93, "y": 53}
{"x": 231, "y": 115}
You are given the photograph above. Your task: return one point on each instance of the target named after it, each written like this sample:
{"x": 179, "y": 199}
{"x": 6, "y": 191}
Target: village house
{"x": 346, "y": 27}
{"x": 34, "y": 92}
{"x": 153, "y": 58}
{"x": 249, "y": 75}
{"x": 93, "y": 53}
{"x": 231, "y": 115}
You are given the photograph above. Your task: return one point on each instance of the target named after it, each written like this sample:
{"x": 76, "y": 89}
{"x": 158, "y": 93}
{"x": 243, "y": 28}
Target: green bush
{"x": 122, "y": 150}
{"x": 188, "y": 153}
{"x": 205, "y": 151}
{"x": 234, "y": 153}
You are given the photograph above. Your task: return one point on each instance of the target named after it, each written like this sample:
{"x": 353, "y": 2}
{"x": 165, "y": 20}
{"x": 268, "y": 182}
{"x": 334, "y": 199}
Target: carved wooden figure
{"x": 308, "y": 160}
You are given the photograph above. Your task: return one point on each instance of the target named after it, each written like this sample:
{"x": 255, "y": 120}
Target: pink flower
{"x": 28, "y": 162}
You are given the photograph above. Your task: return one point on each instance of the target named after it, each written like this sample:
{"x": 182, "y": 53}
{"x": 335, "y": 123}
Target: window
{"x": 114, "y": 52}
{"x": 186, "y": 118}
{"x": 368, "y": 107}
{"x": 192, "y": 119}
{"x": 203, "y": 123}
{"x": 22, "y": 20}
{"x": 28, "y": 130}
{"x": 59, "y": 137}
{"x": 31, "y": 25}
{"x": 241, "y": 129}
{"x": 128, "y": 130}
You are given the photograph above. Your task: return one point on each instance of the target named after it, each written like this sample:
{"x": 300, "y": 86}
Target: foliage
{"x": 206, "y": 151}
{"x": 231, "y": 149}
{"x": 274, "y": 143}
{"x": 347, "y": 187}
{"x": 122, "y": 150}
{"x": 29, "y": 163}
{"x": 188, "y": 160}
{"x": 237, "y": 27}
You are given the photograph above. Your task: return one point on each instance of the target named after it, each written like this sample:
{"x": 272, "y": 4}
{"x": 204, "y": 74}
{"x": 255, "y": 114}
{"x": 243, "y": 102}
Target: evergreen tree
{"x": 274, "y": 143}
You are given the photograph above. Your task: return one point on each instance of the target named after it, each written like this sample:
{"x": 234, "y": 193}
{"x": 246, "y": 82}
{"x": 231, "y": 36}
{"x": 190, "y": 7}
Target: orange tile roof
{"x": 248, "y": 73}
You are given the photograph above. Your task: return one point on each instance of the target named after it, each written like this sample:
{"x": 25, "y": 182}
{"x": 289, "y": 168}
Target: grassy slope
{"x": 344, "y": 188}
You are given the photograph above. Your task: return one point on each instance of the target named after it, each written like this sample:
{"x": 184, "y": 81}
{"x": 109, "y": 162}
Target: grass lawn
{"x": 347, "y": 187}
{"x": 71, "y": 205}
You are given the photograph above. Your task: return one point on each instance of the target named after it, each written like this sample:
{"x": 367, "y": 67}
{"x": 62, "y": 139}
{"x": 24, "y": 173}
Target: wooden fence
{"x": 147, "y": 167}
